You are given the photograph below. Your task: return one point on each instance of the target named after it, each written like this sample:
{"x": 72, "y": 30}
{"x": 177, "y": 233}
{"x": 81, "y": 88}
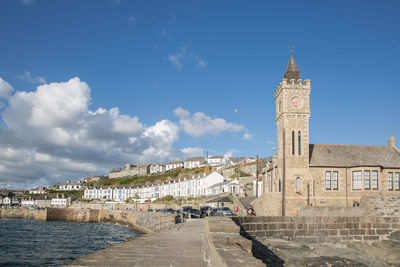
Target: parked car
{"x": 205, "y": 211}
{"x": 224, "y": 211}
{"x": 194, "y": 213}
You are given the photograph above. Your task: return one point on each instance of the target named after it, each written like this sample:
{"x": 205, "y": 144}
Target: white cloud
{"x": 132, "y": 20}
{"x": 185, "y": 55}
{"x": 52, "y": 134}
{"x": 247, "y": 136}
{"x": 27, "y": 2}
{"x": 176, "y": 60}
{"x": 199, "y": 124}
{"x": 35, "y": 80}
{"x": 5, "y": 89}
{"x": 193, "y": 152}
{"x": 164, "y": 33}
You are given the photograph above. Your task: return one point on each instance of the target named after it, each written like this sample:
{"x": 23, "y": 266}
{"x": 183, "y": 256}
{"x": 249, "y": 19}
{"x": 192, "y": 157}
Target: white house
{"x": 28, "y": 202}
{"x": 157, "y": 168}
{"x": 11, "y": 201}
{"x": 228, "y": 186}
{"x": 38, "y": 190}
{"x": 6, "y": 201}
{"x": 61, "y": 202}
{"x": 193, "y": 186}
{"x": 71, "y": 186}
{"x": 174, "y": 165}
{"x": 193, "y": 163}
{"x": 215, "y": 160}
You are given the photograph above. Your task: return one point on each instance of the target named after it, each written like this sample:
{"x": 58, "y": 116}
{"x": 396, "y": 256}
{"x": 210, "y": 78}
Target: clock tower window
{"x": 293, "y": 144}
{"x": 299, "y": 134}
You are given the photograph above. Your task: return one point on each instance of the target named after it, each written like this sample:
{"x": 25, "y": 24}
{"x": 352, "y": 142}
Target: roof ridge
{"x": 346, "y": 145}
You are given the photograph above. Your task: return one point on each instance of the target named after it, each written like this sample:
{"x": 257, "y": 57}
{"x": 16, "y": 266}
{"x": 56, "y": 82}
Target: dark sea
{"x": 34, "y": 243}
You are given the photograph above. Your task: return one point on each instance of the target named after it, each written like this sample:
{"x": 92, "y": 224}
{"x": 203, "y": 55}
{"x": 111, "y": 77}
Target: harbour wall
{"x": 320, "y": 229}
{"x": 146, "y": 222}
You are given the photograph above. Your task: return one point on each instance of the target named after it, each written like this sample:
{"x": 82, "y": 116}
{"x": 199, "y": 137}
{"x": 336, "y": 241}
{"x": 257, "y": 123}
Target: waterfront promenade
{"x": 182, "y": 245}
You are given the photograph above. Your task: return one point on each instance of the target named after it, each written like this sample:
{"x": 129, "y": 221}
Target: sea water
{"x": 55, "y": 243}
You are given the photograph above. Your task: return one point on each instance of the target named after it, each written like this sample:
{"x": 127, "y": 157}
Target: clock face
{"x": 296, "y": 102}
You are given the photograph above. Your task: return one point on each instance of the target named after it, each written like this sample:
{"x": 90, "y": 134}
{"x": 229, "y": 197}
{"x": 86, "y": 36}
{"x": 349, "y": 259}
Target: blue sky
{"x": 148, "y": 58}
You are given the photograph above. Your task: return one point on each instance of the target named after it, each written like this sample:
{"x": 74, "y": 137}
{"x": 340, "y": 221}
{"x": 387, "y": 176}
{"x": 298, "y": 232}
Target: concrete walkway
{"x": 183, "y": 245}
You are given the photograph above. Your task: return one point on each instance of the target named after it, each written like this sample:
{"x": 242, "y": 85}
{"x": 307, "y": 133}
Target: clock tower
{"x": 292, "y": 99}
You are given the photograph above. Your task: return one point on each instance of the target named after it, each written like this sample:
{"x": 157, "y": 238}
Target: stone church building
{"x": 303, "y": 174}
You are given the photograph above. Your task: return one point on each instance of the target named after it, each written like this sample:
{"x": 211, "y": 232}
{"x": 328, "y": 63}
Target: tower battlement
{"x": 293, "y": 84}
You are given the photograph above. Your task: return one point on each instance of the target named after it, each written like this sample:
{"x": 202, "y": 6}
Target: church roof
{"x": 353, "y": 156}
{"x": 292, "y": 71}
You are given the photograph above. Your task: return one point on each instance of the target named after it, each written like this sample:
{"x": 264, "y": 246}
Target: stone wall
{"x": 227, "y": 247}
{"x": 320, "y": 229}
{"x": 269, "y": 204}
{"x": 386, "y": 206}
{"x": 142, "y": 221}
{"x": 39, "y": 215}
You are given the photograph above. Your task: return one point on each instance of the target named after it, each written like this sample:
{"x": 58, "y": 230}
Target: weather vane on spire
{"x": 291, "y": 49}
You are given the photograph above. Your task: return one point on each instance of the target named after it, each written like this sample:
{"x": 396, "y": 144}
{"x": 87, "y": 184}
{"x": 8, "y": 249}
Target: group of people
{"x": 250, "y": 211}
{"x": 356, "y": 203}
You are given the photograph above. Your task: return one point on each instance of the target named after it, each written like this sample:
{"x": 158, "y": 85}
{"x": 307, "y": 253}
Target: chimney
{"x": 391, "y": 142}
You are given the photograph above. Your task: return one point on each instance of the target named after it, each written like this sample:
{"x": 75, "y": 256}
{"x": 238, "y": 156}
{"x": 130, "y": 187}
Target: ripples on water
{"x": 33, "y": 243}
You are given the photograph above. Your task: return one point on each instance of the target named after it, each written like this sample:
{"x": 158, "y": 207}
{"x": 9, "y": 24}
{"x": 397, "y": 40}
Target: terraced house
{"x": 303, "y": 174}
{"x": 200, "y": 185}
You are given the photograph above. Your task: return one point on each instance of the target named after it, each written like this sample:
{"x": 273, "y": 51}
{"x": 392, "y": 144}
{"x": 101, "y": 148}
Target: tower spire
{"x": 292, "y": 71}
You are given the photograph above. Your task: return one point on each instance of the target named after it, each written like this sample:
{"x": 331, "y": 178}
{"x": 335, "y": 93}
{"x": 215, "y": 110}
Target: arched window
{"x": 293, "y": 144}
{"x": 299, "y": 142}
{"x": 298, "y": 184}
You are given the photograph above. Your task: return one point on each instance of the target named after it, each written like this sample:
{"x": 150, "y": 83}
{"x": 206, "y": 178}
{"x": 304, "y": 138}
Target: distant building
{"x": 143, "y": 169}
{"x": 174, "y": 165}
{"x": 131, "y": 170}
{"x": 94, "y": 178}
{"x": 215, "y": 160}
{"x": 194, "y": 186}
{"x": 227, "y": 186}
{"x": 157, "y": 168}
{"x": 36, "y": 202}
{"x": 38, "y": 190}
{"x": 61, "y": 202}
{"x": 11, "y": 201}
{"x": 71, "y": 186}
{"x": 191, "y": 163}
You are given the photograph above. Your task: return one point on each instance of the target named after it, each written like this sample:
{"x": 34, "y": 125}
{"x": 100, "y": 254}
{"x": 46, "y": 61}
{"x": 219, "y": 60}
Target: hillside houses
{"x": 191, "y": 163}
{"x": 174, "y": 165}
{"x": 200, "y": 185}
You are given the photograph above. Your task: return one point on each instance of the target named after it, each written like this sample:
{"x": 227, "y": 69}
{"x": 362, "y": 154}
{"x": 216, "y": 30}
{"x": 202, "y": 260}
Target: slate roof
{"x": 176, "y": 162}
{"x": 292, "y": 71}
{"x": 353, "y": 156}
{"x": 194, "y": 159}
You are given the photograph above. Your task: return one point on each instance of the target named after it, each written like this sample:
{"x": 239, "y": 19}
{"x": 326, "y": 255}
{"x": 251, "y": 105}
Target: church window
{"x": 396, "y": 181}
{"x": 335, "y": 184}
{"x": 280, "y": 185}
{"x": 390, "y": 180}
{"x": 298, "y": 184}
{"x": 299, "y": 142}
{"x": 367, "y": 180}
{"x": 357, "y": 180}
{"x": 328, "y": 180}
{"x": 293, "y": 144}
{"x": 374, "y": 180}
